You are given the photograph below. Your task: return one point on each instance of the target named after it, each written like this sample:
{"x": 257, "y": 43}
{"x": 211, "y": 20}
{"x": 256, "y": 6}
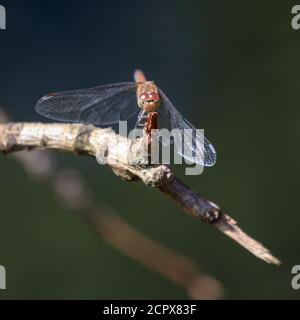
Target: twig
{"x": 73, "y": 193}
{"x": 83, "y": 139}
{"x": 179, "y": 269}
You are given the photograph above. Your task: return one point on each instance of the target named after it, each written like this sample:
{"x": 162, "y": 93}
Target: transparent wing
{"x": 196, "y": 147}
{"x": 103, "y": 105}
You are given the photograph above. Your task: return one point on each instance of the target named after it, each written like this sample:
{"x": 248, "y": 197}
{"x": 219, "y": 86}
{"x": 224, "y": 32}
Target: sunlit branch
{"x": 89, "y": 140}
{"x": 73, "y": 194}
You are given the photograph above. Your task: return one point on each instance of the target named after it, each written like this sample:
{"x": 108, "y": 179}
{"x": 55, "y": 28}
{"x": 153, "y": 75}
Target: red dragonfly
{"x": 108, "y": 104}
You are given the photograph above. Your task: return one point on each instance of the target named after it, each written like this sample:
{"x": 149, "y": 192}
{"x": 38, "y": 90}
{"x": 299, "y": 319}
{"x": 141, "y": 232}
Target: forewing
{"x": 194, "y": 144}
{"x": 103, "y": 105}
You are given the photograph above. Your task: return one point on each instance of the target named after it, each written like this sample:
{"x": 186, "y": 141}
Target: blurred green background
{"x": 230, "y": 67}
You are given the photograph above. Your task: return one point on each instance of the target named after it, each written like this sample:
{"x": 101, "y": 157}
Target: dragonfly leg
{"x": 141, "y": 119}
{"x": 142, "y": 115}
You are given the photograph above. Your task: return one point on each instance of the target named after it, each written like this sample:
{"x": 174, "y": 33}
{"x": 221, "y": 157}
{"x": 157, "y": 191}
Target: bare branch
{"x": 73, "y": 194}
{"x": 177, "y": 268}
{"x": 83, "y": 139}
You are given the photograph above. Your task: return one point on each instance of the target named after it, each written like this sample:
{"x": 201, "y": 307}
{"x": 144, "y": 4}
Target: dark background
{"x": 230, "y": 67}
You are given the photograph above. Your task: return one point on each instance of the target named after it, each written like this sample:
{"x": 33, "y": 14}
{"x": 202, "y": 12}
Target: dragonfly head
{"x": 149, "y": 101}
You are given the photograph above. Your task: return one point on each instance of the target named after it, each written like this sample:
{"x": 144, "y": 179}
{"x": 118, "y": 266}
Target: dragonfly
{"x": 108, "y": 104}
